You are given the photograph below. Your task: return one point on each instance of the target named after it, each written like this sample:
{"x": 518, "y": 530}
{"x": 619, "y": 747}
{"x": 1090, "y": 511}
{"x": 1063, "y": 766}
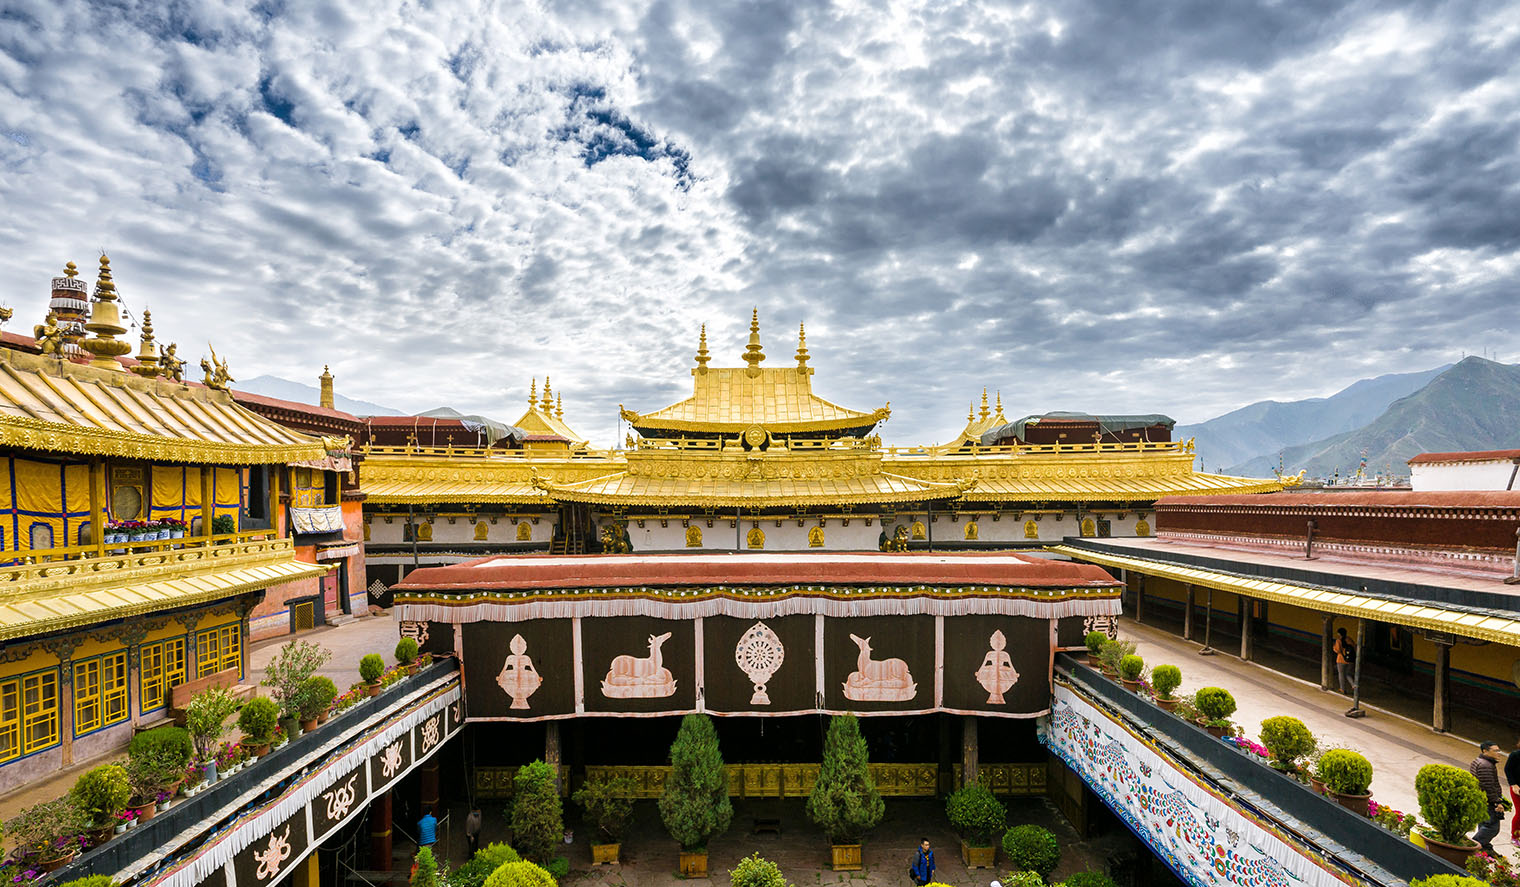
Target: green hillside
{"x": 1475, "y": 405}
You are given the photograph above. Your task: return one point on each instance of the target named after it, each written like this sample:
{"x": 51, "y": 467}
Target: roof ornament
{"x": 49, "y": 336}
{"x": 985, "y": 411}
{"x": 752, "y": 352}
{"x": 174, "y": 368}
{"x": 559, "y": 406}
{"x": 702, "y": 357}
{"x": 547, "y": 402}
{"x": 215, "y": 369}
{"x": 533, "y": 394}
{"x": 6, "y": 314}
{"x": 325, "y": 398}
{"x": 147, "y": 352}
{"x": 105, "y": 323}
{"x": 971, "y": 412}
{"x": 802, "y": 352}
{"x": 999, "y": 411}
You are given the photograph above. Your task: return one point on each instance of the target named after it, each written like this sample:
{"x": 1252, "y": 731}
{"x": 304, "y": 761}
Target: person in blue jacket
{"x": 427, "y": 829}
{"x": 922, "y": 869}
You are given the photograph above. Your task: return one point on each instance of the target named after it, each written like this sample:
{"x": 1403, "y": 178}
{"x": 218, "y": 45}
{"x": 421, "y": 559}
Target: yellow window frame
{"x": 162, "y": 665}
{"x": 218, "y": 649}
{"x": 86, "y": 696}
{"x": 37, "y": 720}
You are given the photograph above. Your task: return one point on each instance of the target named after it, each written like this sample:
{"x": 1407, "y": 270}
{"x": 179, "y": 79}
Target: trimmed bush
{"x": 90, "y": 881}
{"x": 538, "y": 822}
{"x": 1345, "y": 772}
{"x": 844, "y": 801}
{"x": 1130, "y": 667}
{"x": 1448, "y": 881}
{"x": 101, "y": 793}
{"x": 756, "y": 871}
{"x": 608, "y": 804}
{"x": 1165, "y": 679}
{"x": 371, "y": 667}
{"x": 1450, "y": 801}
{"x": 1032, "y": 849}
{"x": 167, "y": 747}
{"x": 258, "y": 718}
{"x": 1215, "y": 703}
{"x": 695, "y": 805}
{"x": 406, "y": 651}
{"x": 1023, "y": 879}
{"x": 1089, "y": 879}
{"x": 1095, "y": 641}
{"x": 979, "y": 817}
{"x": 485, "y": 861}
{"x": 520, "y": 874}
{"x": 316, "y": 694}
{"x": 1287, "y": 738}
{"x": 425, "y": 872}
{"x": 223, "y": 525}
{"x": 558, "y": 868}
{"x": 1113, "y": 653}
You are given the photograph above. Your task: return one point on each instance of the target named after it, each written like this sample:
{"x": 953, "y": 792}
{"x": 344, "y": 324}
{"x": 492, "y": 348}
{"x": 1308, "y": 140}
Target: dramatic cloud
{"x": 1115, "y": 205}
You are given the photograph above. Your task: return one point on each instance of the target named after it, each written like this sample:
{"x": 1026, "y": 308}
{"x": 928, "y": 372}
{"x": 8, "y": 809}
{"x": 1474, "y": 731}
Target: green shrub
{"x": 755, "y": 871}
{"x": 1095, "y": 641}
{"x": 1089, "y": 879}
{"x": 1344, "y": 771}
{"x": 844, "y": 801}
{"x": 101, "y": 793}
{"x": 206, "y": 718}
{"x": 1287, "y": 738}
{"x": 695, "y": 805}
{"x": 90, "y": 881}
{"x": 1023, "y": 879}
{"x": 425, "y": 872}
{"x": 406, "y": 651}
{"x": 538, "y": 822}
{"x": 1450, "y": 801}
{"x": 1215, "y": 703}
{"x": 485, "y": 861}
{"x": 166, "y": 747}
{"x": 1165, "y": 679}
{"x": 558, "y": 868}
{"x": 371, "y": 667}
{"x": 258, "y": 718}
{"x": 1448, "y": 881}
{"x": 608, "y": 804}
{"x": 297, "y": 661}
{"x": 1130, "y": 667}
{"x": 316, "y": 694}
{"x": 1032, "y": 849}
{"x": 223, "y": 525}
{"x": 38, "y": 827}
{"x": 979, "y": 817}
{"x": 520, "y": 874}
{"x": 1114, "y": 652}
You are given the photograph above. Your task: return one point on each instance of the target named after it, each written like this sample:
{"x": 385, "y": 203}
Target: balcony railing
{"x": 85, "y": 563}
{"x": 794, "y": 445}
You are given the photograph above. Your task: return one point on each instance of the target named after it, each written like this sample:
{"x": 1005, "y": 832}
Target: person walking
{"x": 1484, "y": 766}
{"x": 472, "y": 825}
{"x": 1345, "y": 661}
{"x": 427, "y": 829}
{"x": 1512, "y": 776}
{"x": 922, "y": 869}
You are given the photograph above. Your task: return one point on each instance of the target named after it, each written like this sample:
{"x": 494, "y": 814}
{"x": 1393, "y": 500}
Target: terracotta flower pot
{"x": 1317, "y": 784}
{"x": 1094, "y": 661}
{"x": 261, "y": 750}
{"x": 322, "y": 718}
{"x": 1216, "y": 732}
{"x": 1355, "y": 803}
{"x": 1166, "y": 704}
{"x": 308, "y": 726}
{"x": 845, "y": 857}
{"x": 1453, "y": 853}
{"x": 53, "y": 865}
{"x": 1132, "y": 686}
{"x": 372, "y": 689}
{"x": 146, "y": 812}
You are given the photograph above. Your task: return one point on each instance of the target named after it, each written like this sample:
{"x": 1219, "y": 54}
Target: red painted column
{"x": 380, "y": 833}
{"x": 428, "y": 784}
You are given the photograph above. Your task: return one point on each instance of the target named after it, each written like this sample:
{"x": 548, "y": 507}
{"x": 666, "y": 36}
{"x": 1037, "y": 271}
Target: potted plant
{"x": 223, "y": 525}
{"x": 317, "y": 693}
{"x": 48, "y": 833}
{"x": 1113, "y": 653}
{"x": 608, "y": 804}
{"x": 1031, "y": 848}
{"x": 258, "y": 721}
{"x": 757, "y": 871}
{"x": 1095, "y": 641}
{"x": 157, "y": 759}
{"x": 100, "y": 794}
{"x": 844, "y": 801}
{"x": 1165, "y": 679}
{"x": 1215, "y": 705}
{"x": 1131, "y": 668}
{"x": 206, "y": 719}
{"x": 1288, "y": 739}
{"x": 537, "y": 819}
{"x": 287, "y": 673}
{"x": 371, "y": 669}
{"x": 126, "y": 819}
{"x": 980, "y": 819}
{"x": 406, "y": 654}
{"x": 1346, "y": 775}
{"x": 695, "y": 804}
{"x": 1452, "y": 804}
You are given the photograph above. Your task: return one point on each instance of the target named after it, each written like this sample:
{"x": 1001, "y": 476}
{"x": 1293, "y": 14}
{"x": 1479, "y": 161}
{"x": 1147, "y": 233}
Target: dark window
{"x": 330, "y": 484}
{"x": 256, "y": 498}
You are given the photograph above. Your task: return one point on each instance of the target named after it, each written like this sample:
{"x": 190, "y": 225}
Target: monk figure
{"x": 49, "y": 336}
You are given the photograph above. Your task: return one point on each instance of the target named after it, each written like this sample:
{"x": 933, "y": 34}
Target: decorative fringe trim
{"x": 885, "y": 605}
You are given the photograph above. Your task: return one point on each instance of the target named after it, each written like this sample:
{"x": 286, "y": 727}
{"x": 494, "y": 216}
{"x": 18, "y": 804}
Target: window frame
{"x": 112, "y": 680}
{"x": 164, "y": 674}
{"x": 18, "y": 722}
{"x": 225, "y": 642}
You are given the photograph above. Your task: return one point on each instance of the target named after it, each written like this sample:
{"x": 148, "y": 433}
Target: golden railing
{"x": 126, "y": 562}
{"x": 1064, "y": 449}
{"x": 495, "y": 455}
{"x": 792, "y": 444}
{"x": 116, "y": 549}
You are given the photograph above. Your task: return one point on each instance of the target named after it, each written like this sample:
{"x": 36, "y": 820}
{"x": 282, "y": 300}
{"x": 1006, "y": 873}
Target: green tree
{"x": 298, "y": 660}
{"x": 426, "y": 872}
{"x": 520, "y": 874}
{"x": 844, "y": 801}
{"x": 695, "y": 805}
{"x": 756, "y": 871}
{"x": 538, "y": 822}
{"x": 206, "y": 718}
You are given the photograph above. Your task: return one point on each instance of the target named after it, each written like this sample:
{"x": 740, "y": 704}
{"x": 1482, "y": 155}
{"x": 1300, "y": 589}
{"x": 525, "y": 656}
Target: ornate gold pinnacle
{"x": 999, "y": 412}
{"x": 971, "y": 412}
{"x": 985, "y": 412}
{"x": 753, "y": 354}
{"x": 802, "y": 352}
{"x": 547, "y": 401}
{"x": 70, "y": 270}
{"x": 533, "y": 394}
{"x": 105, "y": 323}
{"x": 147, "y": 352}
{"x": 325, "y": 397}
{"x": 559, "y": 406}
{"x": 702, "y": 357}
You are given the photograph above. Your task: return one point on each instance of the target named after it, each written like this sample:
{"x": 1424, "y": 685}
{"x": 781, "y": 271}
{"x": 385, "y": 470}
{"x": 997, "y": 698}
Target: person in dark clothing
{"x": 1345, "y": 661}
{"x": 922, "y": 869}
{"x": 1512, "y": 776}
{"x": 472, "y": 824}
{"x": 1484, "y": 766}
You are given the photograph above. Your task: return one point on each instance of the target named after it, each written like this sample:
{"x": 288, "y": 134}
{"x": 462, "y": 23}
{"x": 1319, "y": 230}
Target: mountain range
{"x": 284, "y": 389}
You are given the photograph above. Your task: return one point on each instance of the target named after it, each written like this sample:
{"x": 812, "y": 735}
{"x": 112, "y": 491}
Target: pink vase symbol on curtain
{"x": 878, "y": 680}
{"x": 518, "y": 676}
{"x": 640, "y": 677}
{"x": 997, "y": 673}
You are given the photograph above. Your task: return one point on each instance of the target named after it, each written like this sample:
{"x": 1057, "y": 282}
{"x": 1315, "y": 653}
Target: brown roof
{"x": 1380, "y": 498}
{"x": 293, "y": 406}
{"x": 1473, "y": 456}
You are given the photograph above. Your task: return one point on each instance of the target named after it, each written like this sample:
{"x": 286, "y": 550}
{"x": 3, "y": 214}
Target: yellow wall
{"x": 34, "y": 493}
{"x": 37, "y": 658}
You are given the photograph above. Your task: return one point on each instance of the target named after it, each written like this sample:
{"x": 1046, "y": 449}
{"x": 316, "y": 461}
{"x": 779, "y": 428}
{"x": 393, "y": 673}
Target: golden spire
{"x": 533, "y": 394}
{"x": 325, "y": 399}
{"x": 985, "y": 411}
{"x": 105, "y": 323}
{"x": 70, "y": 270}
{"x": 147, "y": 353}
{"x": 547, "y": 402}
{"x": 559, "y": 406}
{"x": 702, "y": 357}
{"x": 752, "y": 353}
{"x": 971, "y": 412}
{"x": 999, "y": 412}
{"x": 802, "y": 352}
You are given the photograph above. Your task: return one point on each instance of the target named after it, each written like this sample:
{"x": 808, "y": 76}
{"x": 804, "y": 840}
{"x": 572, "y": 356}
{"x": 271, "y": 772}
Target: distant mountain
{"x": 1265, "y": 427}
{"x": 284, "y": 389}
{"x": 1475, "y": 405}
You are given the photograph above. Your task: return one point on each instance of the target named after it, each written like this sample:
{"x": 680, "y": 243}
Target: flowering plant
{"x": 163, "y": 796}
{"x": 347, "y": 700}
{"x": 1248, "y": 746}
{"x": 126, "y": 815}
{"x": 1391, "y": 819}
{"x": 1494, "y": 869}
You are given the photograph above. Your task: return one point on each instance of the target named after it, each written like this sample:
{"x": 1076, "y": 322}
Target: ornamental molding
{"x": 27, "y": 433}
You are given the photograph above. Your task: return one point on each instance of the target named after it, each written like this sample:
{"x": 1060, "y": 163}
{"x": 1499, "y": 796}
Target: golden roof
{"x": 547, "y": 418}
{"x": 62, "y": 407}
{"x": 400, "y": 491}
{"x": 729, "y": 400}
{"x": 976, "y": 425}
{"x": 497, "y": 478}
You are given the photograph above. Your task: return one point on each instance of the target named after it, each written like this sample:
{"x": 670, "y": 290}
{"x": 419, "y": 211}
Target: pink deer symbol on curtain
{"x": 878, "y": 680}
{"x": 635, "y": 677}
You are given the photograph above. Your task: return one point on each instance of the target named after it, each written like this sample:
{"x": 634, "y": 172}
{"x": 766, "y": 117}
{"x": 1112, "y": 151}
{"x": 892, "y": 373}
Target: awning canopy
{"x": 1108, "y": 424}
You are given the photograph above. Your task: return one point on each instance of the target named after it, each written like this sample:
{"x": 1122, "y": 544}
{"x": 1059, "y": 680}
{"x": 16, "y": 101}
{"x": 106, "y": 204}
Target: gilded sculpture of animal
{"x": 640, "y": 676}
{"x": 878, "y": 680}
{"x": 899, "y": 540}
{"x": 217, "y": 376}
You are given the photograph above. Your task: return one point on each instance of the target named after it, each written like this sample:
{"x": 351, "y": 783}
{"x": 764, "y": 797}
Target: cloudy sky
{"x": 1175, "y": 206}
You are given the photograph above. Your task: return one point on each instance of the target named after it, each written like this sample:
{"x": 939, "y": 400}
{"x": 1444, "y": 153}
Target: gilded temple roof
{"x": 730, "y": 400}
{"x": 545, "y": 420}
{"x": 63, "y": 407}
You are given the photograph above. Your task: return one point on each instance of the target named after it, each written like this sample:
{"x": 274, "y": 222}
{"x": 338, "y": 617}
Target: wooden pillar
{"x": 1440, "y": 718}
{"x": 1208, "y": 625}
{"x": 427, "y": 784}
{"x": 208, "y": 498}
{"x": 1356, "y": 688}
{"x": 946, "y": 754}
{"x": 970, "y": 761}
{"x": 1247, "y": 637}
{"x": 1327, "y": 653}
{"x": 552, "y": 750}
{"x": 1187, "y": 615}
{"x": 97, "y": 506}
{"x": 380, "y": 833}
{"x": 306, "y": 872}
{"x": 1139, "y": 598}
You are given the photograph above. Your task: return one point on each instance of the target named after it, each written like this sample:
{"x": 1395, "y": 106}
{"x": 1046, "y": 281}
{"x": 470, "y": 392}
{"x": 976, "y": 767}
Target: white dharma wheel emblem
{"x": 759, "y": 654}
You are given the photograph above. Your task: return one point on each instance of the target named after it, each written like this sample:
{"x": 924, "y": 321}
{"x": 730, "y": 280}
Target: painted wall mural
{"x": 1201, "y": 837}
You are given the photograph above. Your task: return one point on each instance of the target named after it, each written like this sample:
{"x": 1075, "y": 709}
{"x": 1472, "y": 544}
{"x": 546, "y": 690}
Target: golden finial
{"x": 702, "y": 357}
{"x": 559, "y": 406}
{"x": 105, "y": 323}
{"x": 147, "y": 353}
{"x": 70, "y": 270}
{"x": 325, "y": 397}
{"x": 985, "y": 411}
{"x": 971, "y": 412}
{"x": 802, "y": 352}
{"x": 547, "y": 401}
{"x": 752, "y": 352}
{"x": 999, "y": 411}
{"x": 533, "y": 394}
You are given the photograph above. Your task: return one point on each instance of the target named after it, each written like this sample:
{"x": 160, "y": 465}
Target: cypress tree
{"x": 538, "y": 822}
{"x": 695, "y": 805}
{"x": 844, "y": 801}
